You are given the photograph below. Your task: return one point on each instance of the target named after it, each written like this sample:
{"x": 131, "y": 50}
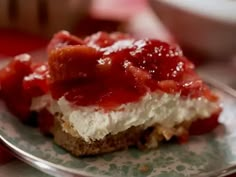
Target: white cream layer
{"x": 92, "y": 123}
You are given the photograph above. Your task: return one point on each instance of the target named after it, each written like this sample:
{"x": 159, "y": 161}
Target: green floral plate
{"x": 207, "y": 155}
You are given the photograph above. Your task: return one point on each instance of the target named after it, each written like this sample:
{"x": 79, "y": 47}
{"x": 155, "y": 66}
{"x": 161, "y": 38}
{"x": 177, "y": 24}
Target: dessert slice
{"x": 111, "y": 91}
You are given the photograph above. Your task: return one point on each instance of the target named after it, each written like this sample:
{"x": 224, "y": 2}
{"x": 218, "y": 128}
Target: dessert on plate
{"x": 108, "y": 92}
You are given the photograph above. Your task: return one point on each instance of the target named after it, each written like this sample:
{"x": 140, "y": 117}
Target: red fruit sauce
{"x": 11, "y": 77}
{"x": 104, "y": 70}
{"x": 109, "y": 70}
{"x": 20, "y": 81}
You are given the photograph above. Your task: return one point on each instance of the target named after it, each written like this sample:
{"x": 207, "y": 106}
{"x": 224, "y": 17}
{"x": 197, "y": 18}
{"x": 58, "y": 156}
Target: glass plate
{"x": 206, "y": 155}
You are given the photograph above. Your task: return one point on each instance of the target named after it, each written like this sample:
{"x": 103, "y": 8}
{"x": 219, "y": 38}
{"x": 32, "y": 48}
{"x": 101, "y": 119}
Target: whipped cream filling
{"x": 93, "y": 123}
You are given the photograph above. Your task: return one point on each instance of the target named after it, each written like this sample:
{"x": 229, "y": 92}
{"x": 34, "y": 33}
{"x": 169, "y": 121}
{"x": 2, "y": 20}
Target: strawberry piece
{"x": 72, "y": 62}
{"x": 103, "y": 39}
{"x": 11, "y": 78}
{"x": 99, "y": 40}
{"x": 168, "y": 86}
{"x": 35, "y": 84}
{"x": 201, "y": 126}
{"x": 63, "y": 38}
{"x": 141, "y": 77}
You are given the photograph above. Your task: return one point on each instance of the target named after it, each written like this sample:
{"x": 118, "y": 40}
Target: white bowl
{"x": 206, "y": 26}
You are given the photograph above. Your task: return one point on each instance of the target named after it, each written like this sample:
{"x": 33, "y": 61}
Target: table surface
{"x": 14, "y": 42}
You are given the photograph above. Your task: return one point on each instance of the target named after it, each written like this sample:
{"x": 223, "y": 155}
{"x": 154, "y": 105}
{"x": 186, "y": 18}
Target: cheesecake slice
{"x": 108, "y": 92}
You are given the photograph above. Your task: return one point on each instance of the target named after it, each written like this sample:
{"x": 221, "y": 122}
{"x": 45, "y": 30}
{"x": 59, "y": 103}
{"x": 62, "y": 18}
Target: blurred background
{"x": 32, "y": 24}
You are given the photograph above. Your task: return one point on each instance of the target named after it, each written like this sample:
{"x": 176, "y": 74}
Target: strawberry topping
{"x": 105, "y": 70}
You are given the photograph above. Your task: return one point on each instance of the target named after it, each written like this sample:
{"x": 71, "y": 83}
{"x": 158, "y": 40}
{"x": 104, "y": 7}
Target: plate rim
{"x": 44, "y": 165}
{"x": 59, "y": 170}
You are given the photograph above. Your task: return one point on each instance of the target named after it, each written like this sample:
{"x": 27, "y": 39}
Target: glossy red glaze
{"x": 35, "y": 84}
{"x": 112, "y": 69}
{"x": 61, "y": 39}
{"x": 11, "y": 78}
{"x": 105, "y": 70}
{"x": 202, "y": 126}
{"x": 20, "y": 81}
